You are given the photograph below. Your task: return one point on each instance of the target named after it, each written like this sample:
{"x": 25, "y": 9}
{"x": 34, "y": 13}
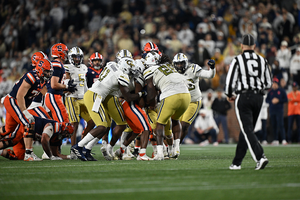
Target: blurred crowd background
{"x": 202, "y": 29}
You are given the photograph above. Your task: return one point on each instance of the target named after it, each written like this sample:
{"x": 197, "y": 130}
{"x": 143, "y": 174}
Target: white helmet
{"x": 180, "y": 62}
{"x": 127, "y": 65}
{"x": 152, "y": 58}
{"x": 124, "y": 53}
{"x": 75, "y": 56}
{"x": 139, "y": 63}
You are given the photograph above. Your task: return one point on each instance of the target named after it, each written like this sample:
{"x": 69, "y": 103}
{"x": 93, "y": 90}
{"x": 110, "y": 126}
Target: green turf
{"x": 199, "y": 173}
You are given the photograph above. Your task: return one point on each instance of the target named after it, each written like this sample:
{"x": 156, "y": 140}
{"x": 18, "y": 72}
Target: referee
{"x": 248, "y": 77}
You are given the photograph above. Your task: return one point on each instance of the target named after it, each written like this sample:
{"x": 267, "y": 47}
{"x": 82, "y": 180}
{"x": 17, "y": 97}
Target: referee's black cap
{"x": 248, "y": 40}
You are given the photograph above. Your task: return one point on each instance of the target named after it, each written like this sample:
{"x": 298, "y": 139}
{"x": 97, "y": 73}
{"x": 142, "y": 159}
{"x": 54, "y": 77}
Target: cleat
{"x": 105, "y": 154}
{"x": 31, "y": 157}
{"x": 144, "y": 157}
{"x": 129, "y": 152}
{"x": 135, "y": 152}
{"x": 73, "y": 156}
{"x": 126, "y": 156}
{"x": 131, "y": 146}
{"x": 55, "y": 158}
{"x": 261, "y": 164}
{"x": 173, "y": 156}
{"x": 78, "y": 152}
{"x": 45, "y": 156}
{"x": 119, "y": 154}
{"x": 235, "y": 167}
{"x": 88, "y": 155}
{"x": 158, "y": 157}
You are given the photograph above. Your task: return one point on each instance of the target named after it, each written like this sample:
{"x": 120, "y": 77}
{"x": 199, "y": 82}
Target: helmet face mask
{"x": 152, "y": 58}
{"x": 180, "y": 62}
{"x": 75, "y": 56}
{"x": 96, "y": 61}
{"x": 124, "y": 53}
{"x": 44, "y": 69}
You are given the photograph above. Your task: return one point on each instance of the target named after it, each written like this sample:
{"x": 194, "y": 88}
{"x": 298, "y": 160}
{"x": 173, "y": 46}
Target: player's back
{"x": 166, "y": 79}
{"x": 109, "y": 79}
{"x": 58, "y": 71}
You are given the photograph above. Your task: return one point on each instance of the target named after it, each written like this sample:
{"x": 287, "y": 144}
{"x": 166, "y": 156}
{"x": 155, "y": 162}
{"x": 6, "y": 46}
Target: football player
{"x": 44, "y": 130}
{"x": 174, "y": 99}
{"x": 76, "y": 71}
{"x": 55, "y": 88}
{"x": 192, "y": 72}
{"x": 103, "y": 104}
{"x": 96, "y": 66}
{"x": 17, "y": 102}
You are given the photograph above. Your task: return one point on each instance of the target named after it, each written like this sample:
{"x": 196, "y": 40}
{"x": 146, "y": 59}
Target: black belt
{"x": 251, "y": 92}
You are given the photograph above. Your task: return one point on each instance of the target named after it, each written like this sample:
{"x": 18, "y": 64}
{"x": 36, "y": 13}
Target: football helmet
{"x": 75, "y": 56}
{"x": 67, "y": 130}
{"x": 94, "y": 57}
{"x": 59, "y": 50}
{"x": 127, "y": 65}
{"x": 139, "y": 63}
{"x": 124, "y": 53}
{"x": 38, "y": 56}
{"x": 150, "y": 47}
{"x": 44, "y": 69}
{"x": 152, "y": 58}
{"x": 180, "y": 62}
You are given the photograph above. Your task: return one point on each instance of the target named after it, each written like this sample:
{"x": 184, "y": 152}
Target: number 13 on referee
{"x": 248, "y": 77}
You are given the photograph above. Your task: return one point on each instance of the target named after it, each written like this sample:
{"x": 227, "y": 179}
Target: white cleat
{"x": 144, "y": 157}
{"x": 235, "y": 167}
{"x": 45, "y": 156}
{"x": 55, "y": 158}
{"x": 73, "y": 156}
{"x": 31, "y": 157}
{"x": 106, "y": 154}
{"x": 158, "y": 157}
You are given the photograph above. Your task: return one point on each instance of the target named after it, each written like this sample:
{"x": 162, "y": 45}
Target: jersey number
{"x": 103, "y": 74}
{"x": 167, "y": 69}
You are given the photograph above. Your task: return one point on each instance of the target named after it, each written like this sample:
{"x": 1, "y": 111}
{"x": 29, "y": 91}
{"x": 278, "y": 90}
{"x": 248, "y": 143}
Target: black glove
{"x": 71, "y": 86}
{"x": 211, "y": 63}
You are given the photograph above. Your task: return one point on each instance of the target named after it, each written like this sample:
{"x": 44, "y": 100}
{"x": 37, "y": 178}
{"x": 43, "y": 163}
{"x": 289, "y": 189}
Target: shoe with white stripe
{"x": 261, "y": 164}
{"x": 144, "y": 157}
{"x": 78, "y": 152}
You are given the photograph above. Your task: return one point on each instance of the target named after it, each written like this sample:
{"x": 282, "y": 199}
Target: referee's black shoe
{"x": 261, "y": 164}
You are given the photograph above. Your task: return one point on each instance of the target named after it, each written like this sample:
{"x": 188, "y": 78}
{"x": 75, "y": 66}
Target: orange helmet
{"x": 44, "y": 69}
{"x": 67, "y": 129}
{"x": 59, "y": 50}
{"x": 96, "y": 56}
{"x": 38, "y": 56}
{"x": 151, "y": 46}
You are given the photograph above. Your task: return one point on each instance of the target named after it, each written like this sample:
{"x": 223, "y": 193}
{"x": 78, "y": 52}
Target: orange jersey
{"x": 293, "y": 103}
{"x": 136, "y": 117}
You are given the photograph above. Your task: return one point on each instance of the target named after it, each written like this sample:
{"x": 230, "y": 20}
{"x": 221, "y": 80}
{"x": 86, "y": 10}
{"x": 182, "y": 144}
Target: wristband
{"x": 140, "y": 94}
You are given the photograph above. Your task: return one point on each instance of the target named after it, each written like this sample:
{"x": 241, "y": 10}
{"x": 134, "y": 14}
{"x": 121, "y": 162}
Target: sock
{"x": 170, "y": 149}
{"x": 104, "y": 143}
{"x": 160, "y": 150}
{"x": 123, "y": 137}
{"x": 142, "y": 152}
{"x": 28, "y": 151}
{"x": 137, "y": 147}
{"x": 1, "y": 151}
{"x": 92, "y": 143}
{"x": 85, "y": 140}
{"x": 177, "y": 143}
{"x": 123, "y": 148}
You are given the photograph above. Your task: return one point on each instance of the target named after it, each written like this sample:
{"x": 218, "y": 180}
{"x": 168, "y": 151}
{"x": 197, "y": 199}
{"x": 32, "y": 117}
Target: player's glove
{"x": 29, "y": 116}
{"x": 71, "y": 87}
{"x": 211, "y": 63}
{"x": 142, "y": 93}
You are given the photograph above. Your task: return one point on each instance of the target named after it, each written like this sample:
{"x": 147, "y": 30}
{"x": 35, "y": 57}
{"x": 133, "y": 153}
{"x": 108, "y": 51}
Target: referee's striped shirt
{"x": 248, "y": 71}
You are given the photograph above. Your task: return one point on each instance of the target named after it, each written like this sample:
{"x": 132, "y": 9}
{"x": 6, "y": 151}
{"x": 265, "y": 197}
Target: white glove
{"x": 55, "y": 158}
{"x": 28, "y": 116}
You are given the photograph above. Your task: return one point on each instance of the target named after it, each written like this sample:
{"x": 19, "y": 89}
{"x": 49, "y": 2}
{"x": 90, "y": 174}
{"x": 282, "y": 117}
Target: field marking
{"x": 156, "y": 189}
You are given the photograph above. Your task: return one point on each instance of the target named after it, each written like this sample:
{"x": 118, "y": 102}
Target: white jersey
{"x": 167, "y": 80}
{"x": 109, "y": 80}
{"x": 78, "y": 74}
{"x": 192, "y": 74}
